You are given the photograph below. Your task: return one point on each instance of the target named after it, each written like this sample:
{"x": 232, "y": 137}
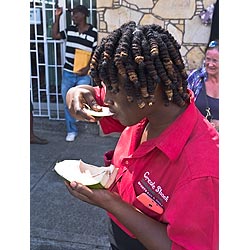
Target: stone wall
{"x": 180, "y": 17}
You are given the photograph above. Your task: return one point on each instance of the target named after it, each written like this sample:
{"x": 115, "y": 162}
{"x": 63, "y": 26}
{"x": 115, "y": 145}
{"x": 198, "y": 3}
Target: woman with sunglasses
{"x": 204, "y": 82}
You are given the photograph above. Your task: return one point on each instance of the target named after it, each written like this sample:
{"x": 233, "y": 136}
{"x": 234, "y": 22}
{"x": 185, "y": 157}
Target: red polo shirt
{"x": 179, "y": 170}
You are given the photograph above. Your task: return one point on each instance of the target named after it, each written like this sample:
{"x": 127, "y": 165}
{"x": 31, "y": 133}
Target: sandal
{"x": 36, "y": 140}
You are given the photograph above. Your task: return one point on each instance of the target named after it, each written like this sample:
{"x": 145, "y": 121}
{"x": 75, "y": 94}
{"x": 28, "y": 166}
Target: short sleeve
{"x": 108, "y": 124}
{"x": 193, "y": 215}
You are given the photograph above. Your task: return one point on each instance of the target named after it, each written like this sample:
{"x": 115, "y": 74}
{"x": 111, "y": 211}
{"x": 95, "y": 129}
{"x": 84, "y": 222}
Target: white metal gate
{"x": 47, "y": 55}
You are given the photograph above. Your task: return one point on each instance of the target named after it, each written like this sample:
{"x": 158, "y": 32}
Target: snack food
{"x": 104, "y": 112}
{"x": 86, "y": 174}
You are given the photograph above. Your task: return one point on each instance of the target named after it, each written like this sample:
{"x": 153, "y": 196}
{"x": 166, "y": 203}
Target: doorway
{"x": 47, "y": 55}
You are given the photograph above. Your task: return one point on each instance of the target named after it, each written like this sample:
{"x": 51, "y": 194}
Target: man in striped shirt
{"x": 81, "y": 39}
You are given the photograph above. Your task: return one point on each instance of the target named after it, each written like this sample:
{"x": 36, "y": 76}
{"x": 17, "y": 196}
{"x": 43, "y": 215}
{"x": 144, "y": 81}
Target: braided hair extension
{"x": 143, "y": 56}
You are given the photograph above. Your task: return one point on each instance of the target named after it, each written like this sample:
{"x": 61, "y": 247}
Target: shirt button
{"x": 126, "y": 162}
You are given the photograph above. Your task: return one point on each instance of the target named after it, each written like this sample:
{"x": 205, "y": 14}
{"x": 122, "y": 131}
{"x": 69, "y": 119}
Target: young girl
{"x": 165, "y": 195}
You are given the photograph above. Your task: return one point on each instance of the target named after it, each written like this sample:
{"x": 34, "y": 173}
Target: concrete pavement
{"x": 58, "y": 221}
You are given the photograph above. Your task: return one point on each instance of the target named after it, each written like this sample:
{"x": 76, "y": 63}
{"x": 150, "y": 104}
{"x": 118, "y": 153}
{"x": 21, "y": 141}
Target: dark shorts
{"x": 119, "y": 240}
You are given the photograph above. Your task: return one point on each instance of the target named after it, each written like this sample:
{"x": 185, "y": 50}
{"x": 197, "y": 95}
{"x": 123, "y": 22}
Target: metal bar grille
{"x": 47, "y": 55}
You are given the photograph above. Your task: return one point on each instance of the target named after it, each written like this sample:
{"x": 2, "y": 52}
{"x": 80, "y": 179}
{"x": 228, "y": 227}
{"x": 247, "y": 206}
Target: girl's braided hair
{"x": 144, "y": 56}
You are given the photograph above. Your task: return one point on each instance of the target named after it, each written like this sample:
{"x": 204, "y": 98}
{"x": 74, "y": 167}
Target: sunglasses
{"x": 213, "y": 44}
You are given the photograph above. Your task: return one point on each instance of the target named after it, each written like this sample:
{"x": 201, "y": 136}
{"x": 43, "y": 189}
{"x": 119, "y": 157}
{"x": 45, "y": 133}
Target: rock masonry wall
{"x": 180, "y": 17}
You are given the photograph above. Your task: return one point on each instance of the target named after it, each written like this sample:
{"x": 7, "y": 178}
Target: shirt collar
{"x": 174, "y": 138}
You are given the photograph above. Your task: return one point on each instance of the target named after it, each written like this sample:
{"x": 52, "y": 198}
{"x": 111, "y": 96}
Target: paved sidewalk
{"x": 58, "y": 221}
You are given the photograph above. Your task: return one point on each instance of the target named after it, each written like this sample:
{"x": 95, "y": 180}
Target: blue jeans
{"x": 70, "y": 80}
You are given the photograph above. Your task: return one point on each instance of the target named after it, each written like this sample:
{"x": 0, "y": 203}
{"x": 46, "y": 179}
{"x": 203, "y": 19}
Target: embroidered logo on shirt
{"x": 153, "y": 190}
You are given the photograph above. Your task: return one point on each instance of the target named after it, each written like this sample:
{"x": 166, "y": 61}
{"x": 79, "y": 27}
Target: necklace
{"x": 208, "y": 109}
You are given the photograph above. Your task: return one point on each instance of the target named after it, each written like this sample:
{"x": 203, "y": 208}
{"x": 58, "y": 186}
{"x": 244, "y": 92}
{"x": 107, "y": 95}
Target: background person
{"x": 80, "y": 37}
{"x": 204, "y": 82}
{"x": 165, "y": 195}
{"x": 214, "y": 33}
{"x": 34, "y": 139}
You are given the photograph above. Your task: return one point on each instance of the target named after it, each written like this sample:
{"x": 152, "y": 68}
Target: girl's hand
{"x": 59, "y": 11}
{"x": 76, "y": 99}
{"x": 102, "y": 198}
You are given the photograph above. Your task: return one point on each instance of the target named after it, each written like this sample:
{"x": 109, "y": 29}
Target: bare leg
{"x": 33, "y": 138}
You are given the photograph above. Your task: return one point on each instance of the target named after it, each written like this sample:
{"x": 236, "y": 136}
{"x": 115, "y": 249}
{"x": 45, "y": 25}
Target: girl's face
{"x": 212, "y": 61}
{"x": 128, "y": 113}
